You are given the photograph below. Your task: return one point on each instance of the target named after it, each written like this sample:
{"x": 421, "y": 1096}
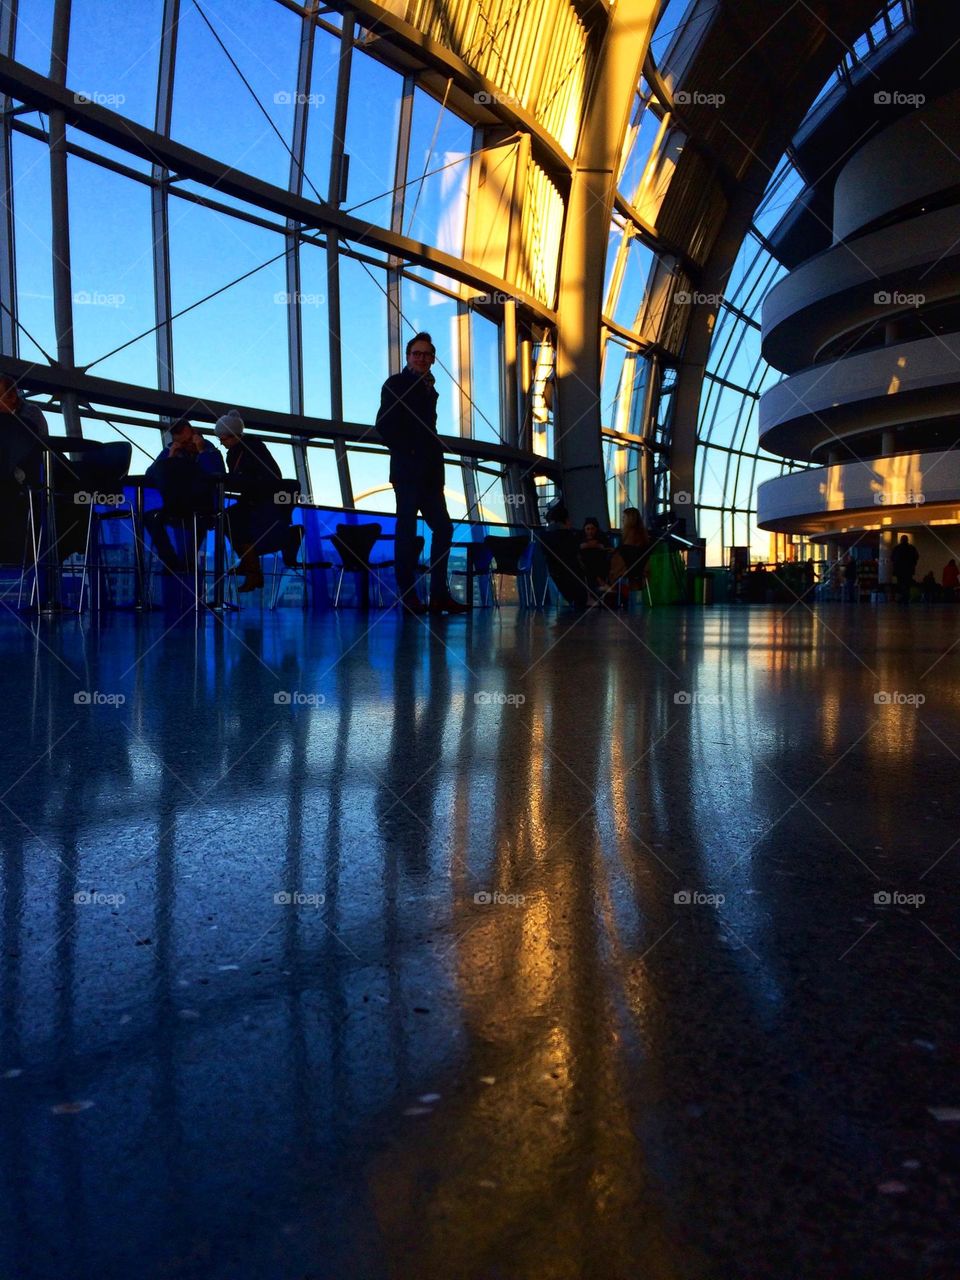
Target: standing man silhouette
{"x": 407, "y": 422}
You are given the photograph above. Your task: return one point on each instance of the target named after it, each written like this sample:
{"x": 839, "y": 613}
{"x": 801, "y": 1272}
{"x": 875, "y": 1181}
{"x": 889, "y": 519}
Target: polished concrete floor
{"x": 521, "y": 946}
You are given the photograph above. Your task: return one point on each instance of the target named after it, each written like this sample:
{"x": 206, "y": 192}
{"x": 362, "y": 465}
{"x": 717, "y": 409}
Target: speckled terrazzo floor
{"x": 516, "y": 946}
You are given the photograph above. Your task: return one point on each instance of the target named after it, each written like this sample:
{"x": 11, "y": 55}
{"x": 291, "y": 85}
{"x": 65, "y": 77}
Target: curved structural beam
{"x": 583, "y": 260}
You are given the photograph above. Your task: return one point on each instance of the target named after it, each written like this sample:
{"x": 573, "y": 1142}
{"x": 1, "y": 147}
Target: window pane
{"x": 114, "y": 54}
{"x": 324, "y": 478}
{"x": 34, "y": 32}
{"x": 320, "y": 113}
{"x": 634, "y": 282}
{"x": 369, "y": 475}
{"x": 111, "y": 259}
{"x": 485, "y": 378}
{"x": 373, "y": 116}
{"x": 490, "y": 497}
{"x": 435, "y": 206}
{"x": 425, "y": 310}
{"x": 363, "y": 353}
{"x": 453, "y": 490}
{"x": 315, "y": 320}
{"x": 33, "y": 247}
{"x": 232, "y": 347}
{"x": 213, "y": 111}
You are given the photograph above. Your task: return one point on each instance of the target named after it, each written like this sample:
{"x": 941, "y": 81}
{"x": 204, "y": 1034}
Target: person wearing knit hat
{"x": 254, "y": 517}
{"x": 228, "y": 428}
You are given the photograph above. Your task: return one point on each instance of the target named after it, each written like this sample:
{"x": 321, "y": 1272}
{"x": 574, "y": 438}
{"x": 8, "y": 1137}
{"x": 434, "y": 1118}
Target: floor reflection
{"x": 336, "y": 946}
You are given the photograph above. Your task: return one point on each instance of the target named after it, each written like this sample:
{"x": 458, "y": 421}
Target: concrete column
{"x": 582, "y": 263}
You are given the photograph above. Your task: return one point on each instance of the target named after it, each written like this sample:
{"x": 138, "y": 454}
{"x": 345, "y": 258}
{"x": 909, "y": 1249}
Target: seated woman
{"x": 629, "y": 561}
{"x": 594, "y": 554}
{"x": 256, "y": 519}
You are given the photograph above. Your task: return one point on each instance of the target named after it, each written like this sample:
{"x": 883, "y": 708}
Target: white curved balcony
{"x": 895, "y": 492}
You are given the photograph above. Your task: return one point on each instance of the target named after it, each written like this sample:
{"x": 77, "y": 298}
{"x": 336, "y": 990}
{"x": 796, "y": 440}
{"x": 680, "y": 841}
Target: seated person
{"x": 594, "y": 554}
{"x": 561, "y": 547}
{"x": 950, "y": 581}
{"x": 629, "y": 560}
{"x": 256, "y": 518}
{"x": 23, "y": 429}
{"x": 183, "y": 473}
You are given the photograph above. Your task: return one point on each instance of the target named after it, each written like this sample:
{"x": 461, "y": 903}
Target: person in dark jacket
{"x": 256, "y": 516}
{"x": 184, "y": 474}
{"x": 407, "y": 423}
{"x": 905, "y": 557}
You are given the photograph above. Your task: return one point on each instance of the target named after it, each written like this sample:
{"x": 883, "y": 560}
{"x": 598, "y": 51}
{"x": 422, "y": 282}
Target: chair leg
{"x": 336, "y": 597}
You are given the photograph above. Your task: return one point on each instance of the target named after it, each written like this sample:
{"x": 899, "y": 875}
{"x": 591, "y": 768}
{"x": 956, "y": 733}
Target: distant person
{"x": 905, "y": 557}
{"x": 950, "y": 581}
{"x": 184, "y": 474}
{"x": 850, "y": 575}
{"x": 629, "y": 560}
{"x": 23, "y": 430}
{"x": 929, "y": 590}
{"x": 407, "y": 423}
{"x": 595, "y": 554}
{"x": 561, "y": 548}
{"x": 256, "y": 515}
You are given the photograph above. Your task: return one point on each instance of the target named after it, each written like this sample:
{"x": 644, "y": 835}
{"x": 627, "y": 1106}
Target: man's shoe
{"x": 252, "y": 583}
{"x": 448, "y": 605}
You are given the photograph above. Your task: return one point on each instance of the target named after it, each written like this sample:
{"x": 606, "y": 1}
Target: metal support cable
{"x": 260, "y": 106}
